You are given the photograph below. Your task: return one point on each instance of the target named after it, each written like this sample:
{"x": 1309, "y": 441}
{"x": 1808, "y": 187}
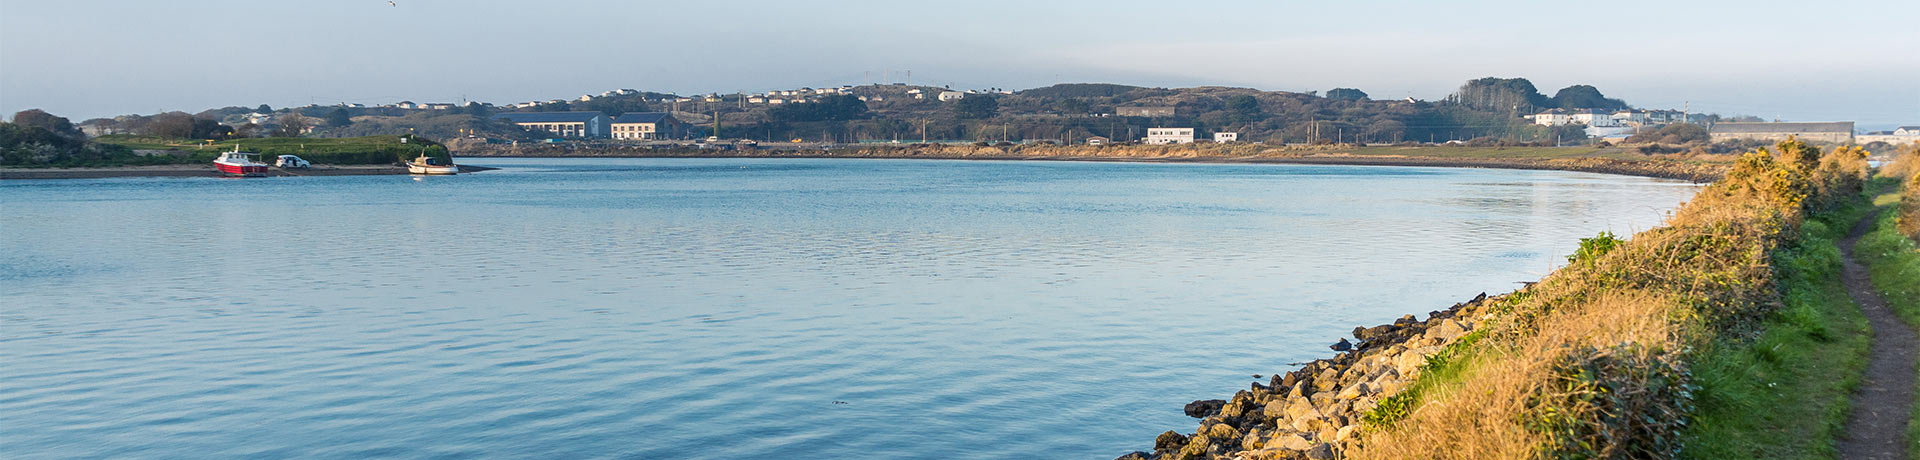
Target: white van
{"x": 291, "y": 162}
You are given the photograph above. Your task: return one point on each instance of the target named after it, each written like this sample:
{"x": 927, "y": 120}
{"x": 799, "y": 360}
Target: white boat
{"x": 430, "y": 165}
{"x": 241, "y": 164}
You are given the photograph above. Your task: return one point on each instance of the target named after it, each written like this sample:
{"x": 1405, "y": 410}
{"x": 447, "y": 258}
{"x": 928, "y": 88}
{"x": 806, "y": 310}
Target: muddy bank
{"x": 204, "y": 170}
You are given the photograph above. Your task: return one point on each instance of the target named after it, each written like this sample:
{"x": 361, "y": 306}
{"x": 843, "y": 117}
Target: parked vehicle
{"x": 292, "y": 162}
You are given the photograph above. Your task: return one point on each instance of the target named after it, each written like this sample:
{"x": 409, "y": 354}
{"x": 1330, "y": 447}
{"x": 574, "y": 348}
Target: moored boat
{"x": 430, "y": 165}
{"x": 241, "y": 164}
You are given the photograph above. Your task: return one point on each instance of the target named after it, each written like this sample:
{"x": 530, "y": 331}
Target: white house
{"x": 756, "y": 100}
{"x": 1164, "y": 136}
{"x": 1907, "y": 131}
{"x": 1226, "y": 137}
{"x": 1632, "y": 118}
{"x": 951, "y": 96}
{"x": 642, "y": 125}
{"x": 563, "y": 124}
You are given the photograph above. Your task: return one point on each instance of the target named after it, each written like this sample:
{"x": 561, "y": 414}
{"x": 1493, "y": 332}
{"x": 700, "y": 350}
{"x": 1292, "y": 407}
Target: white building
{"x": 1907, "y": 131}
{"x": 951, "y": 96}
{"x": 1164, "y": 136}
{"x": 1562, "y": 117}
{"x": 1226, "y": 137}
{"x": 642, "y": 126}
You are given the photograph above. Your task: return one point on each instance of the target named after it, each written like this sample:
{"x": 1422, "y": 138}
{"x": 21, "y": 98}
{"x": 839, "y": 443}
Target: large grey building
{"x": 1838, "y": 132}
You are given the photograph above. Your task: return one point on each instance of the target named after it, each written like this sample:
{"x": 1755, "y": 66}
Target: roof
{"x": 548, "y": 117}
{"x": 642, "y": 117}
{"x": 1814, "y": 127}
{"x": 1909, "y": 128}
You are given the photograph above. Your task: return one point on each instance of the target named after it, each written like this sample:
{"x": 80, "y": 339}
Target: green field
{"x": 350, "y": 150}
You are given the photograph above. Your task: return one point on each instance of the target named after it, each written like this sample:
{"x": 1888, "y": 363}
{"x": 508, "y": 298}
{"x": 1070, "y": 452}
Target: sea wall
{"x": 1314, "y": 412}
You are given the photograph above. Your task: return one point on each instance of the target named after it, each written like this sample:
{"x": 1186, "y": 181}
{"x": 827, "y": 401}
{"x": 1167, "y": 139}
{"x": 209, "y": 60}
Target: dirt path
{"x": 1881, "y": 406}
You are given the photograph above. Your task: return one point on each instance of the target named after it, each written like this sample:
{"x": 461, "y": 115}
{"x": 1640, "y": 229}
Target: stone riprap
{"x": 1315, "y": 412}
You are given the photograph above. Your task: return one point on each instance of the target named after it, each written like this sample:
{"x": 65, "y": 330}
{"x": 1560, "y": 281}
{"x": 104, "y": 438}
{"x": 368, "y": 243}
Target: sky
{"x": 1795, "y": 61}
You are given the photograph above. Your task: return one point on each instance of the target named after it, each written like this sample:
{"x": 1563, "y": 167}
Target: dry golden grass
{"x": 1486, "y": 414}
{"x": 1529, "y": 388}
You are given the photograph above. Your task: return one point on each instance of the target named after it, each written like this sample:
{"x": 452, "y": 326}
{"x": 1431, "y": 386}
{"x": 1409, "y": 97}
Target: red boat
{"x": 238, "y": 163}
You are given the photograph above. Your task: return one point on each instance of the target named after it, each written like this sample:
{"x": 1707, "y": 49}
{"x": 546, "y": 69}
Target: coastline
{"x": 1699, "y": 173}
{"x": 201, "y": 170}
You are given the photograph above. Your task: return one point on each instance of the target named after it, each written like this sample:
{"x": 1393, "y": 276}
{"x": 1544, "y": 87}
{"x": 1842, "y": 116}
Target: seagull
{"x": 391, "y": 3}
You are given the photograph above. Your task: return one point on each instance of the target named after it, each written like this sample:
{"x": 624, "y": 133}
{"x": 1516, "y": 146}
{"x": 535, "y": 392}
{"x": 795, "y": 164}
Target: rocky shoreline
{"x": 1318, "y": 411}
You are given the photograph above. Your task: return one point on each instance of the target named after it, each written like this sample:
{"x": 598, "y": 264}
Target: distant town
{"x": 1486, "y": 112}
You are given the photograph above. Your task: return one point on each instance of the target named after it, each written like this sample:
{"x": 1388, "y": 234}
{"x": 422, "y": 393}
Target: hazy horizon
{"x": 95, "y": 58}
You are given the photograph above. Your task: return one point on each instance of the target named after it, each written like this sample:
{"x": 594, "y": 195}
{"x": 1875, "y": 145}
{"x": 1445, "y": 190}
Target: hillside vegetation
{"x": 342, "y": 151}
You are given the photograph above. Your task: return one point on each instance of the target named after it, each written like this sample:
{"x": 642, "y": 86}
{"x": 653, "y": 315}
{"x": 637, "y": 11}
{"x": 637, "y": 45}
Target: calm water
{"x": 638, "y": 308}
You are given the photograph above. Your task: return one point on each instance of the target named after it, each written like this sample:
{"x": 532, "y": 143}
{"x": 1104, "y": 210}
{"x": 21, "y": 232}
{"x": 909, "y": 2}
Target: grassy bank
{"x": 342, "y": 151}
{"x": 1676, "y": 342}
{"x": 1785, "y": 393}
{"x": 1894, "y": 262}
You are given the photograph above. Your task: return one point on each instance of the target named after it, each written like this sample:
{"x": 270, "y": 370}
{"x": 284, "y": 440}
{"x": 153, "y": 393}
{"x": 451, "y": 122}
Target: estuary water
{"x": 729, "y": 308}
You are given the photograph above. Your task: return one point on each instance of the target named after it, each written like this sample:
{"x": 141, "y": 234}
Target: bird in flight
{"x": 391, "y": 3}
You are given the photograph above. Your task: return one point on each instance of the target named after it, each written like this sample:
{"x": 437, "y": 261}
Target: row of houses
{"x": 1607, "y": 119}
{"x": 596, "y": 125}
{"x": 1169, "y": 136}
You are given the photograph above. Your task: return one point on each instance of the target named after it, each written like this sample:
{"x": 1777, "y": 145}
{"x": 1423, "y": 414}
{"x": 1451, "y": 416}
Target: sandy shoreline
{"x": 202, "y": 170}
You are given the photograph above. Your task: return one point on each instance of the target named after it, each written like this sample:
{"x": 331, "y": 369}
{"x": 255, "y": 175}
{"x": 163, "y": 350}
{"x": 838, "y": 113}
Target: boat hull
{"x": 433, "y": 170}
{"x": 241, "y": 170}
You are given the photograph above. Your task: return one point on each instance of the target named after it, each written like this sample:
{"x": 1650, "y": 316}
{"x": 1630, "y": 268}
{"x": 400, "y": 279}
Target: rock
{"x": 1355, "y": 391}
{"x": 1276, "y": 409}
{"x": 1345, "y": 433}
{"x": 1290, "y": 441}
{"x": 1447, "y": 330}
{"x": 1342, "y": 345}
{"x": 1406, "y": 320}
{"x": 1136, "y": 455}
{"x": 1221, "y": 432}
{"x": 1169, "y": 440}
{"x": 1321, "y": 451}
{"x": 1205, "y": 407}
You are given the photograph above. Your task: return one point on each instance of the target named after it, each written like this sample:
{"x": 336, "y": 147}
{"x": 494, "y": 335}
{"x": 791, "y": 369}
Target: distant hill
{"x": 1079, "y": 90}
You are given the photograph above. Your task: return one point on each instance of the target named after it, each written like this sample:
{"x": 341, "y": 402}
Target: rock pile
{"x": 1315, "y": 411}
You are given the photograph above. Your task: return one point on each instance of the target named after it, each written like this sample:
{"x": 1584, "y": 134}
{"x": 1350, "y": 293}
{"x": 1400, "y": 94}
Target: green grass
{"x": 1785, "y": 394}
{"x": 348, "y": 150}
{"x": 1894, "y": 262}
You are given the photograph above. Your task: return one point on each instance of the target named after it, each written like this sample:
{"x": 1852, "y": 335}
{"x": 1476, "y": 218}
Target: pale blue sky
{"x": 1829, "y": 60}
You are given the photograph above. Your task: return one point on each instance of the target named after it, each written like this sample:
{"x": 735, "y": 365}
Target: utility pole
{"x": 923, "y": 131}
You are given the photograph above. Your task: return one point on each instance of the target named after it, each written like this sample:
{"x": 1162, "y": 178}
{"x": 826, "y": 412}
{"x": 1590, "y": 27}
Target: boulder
{"x": 1290, "y": 441}
{"x": 1136, "y": 455}
{"x": 1346, "y": 433}
{"x": 1321, "y": 451}
{"x": 1351, "y": 392}
{"x": 1205, "y": 407}
{"x": 1342, "y": 345}
{"x": 1169, "y": 440}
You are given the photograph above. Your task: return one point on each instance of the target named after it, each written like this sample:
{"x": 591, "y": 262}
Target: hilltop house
{"x": 1226, "y": 137}
{"x": 1144, "y": 111}
{"x": 644, "y": 126}
{"x": 1898, "y": 136}
{"x": 1164, "y": 136}
{"x": 1834, "y": 132}
{"x": 563, "y": 124}
{"x": 951, "y": 96}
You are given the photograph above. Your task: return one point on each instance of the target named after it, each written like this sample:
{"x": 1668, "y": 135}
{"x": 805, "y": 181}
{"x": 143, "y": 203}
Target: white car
{"x": 290, "y": 161}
